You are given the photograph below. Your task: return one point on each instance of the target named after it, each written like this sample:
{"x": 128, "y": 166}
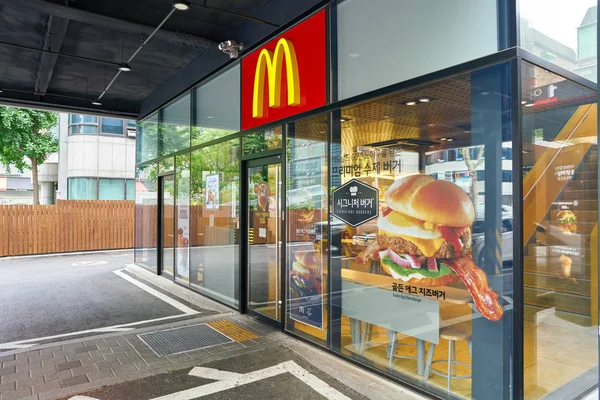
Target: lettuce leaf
{"x": 402, "y": 271}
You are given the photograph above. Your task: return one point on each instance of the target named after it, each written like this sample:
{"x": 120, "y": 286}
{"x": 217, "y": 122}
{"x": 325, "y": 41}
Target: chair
{"x": 391, "y": 353}
{"x": 452, "y": 334}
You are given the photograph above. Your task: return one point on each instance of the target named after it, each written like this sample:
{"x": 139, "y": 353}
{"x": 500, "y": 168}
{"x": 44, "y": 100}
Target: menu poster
{"x": 305, "y": 288}
{"x": 183, "y": 225}
{"x": 212, "y": 192}
{"x": 355, "y": 203}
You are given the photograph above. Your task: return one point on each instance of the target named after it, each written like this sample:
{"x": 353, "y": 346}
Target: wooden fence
{"x": 69, "y": 225}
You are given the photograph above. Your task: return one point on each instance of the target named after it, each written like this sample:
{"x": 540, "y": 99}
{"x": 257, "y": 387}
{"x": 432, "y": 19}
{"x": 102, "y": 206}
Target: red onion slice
{"x": 432, "y": 264}
{"x": 399, "y": 259}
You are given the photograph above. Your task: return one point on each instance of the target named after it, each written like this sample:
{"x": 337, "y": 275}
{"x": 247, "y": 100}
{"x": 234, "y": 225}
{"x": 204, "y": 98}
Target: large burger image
{"x": 304, "y": 274}
{"x": 567, "y": 221}
{"x": 424, "y": 238}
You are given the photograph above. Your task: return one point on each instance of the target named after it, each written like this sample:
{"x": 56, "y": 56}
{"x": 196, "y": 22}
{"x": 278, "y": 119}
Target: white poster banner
{"x": 212, "y": 192}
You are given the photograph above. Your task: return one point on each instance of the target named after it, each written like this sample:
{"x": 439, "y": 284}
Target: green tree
{"x": 25, "y": 134}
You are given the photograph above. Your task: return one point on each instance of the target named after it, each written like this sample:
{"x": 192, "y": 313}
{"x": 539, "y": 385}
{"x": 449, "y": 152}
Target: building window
{"x": 83, "y": 124}
{"x": 111, "y": 189}
{"x": 82, "y": 189}
{"x": 112, "y": 126}
{"x": 130, "y": 190}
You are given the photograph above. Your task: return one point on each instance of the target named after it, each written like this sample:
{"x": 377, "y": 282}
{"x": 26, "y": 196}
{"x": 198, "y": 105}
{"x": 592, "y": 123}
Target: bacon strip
{"x": 370, "y": 253}
{"x": 486, "y": 300}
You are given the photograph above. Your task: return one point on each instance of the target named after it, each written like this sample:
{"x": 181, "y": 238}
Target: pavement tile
{"x": 142, "y": 366}
{"x": 7, "y": 371}
{"x": 28, "y": 367}
{"x": 99, "y": 375}
{"x": 125, "y": 370}
{"x": 75, "y": 380}
{"x": 83, "y": 370}
{"x": 107, "y": 364}
{"x": 85, "y": 349}
{"x": 80, "y": 356}
{"x": 100, "y": 352}
{"x": 94, "y": 342}
{"x": 130, "y": 360}
{"x": 16, "y": 394}
{"x": 53, "y": 361}
{"x": 49, "y": 370}
{"x": 7, "y": 358}
{"x": 68, "y": 365}
{"x": 14, "y": 377}
{"x": 15, "y": 362}
{"x": 114, "y": 356}
{"x": 108, "y": 344}
{"x": 61, "y": 353}
{"x": 58, "y": 375}
{"x": 71, "y": 346}
{"x": 158, "y": 364}
{"x": 40, "y": 357}
{"x": 7, "y": 387}
{"x": 28, "y": 382}
{"x": 26, "y": 355}
{"x": 92, "y": 360}
{"x": 46, "y": 387}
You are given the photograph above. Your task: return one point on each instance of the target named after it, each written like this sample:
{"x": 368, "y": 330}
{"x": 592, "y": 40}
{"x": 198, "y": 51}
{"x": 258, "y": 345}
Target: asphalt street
{"x": 50, "y": 296}
{"x": 303, "y": 386}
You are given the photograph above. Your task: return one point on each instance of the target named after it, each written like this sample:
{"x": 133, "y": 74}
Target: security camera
{"x": 231, "y": 47}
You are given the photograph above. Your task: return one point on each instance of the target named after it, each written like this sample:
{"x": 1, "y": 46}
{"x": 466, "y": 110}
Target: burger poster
{"x": 306, "y": 290}
{"x": 424, "y": 239}
{"x": 183, "y": 225}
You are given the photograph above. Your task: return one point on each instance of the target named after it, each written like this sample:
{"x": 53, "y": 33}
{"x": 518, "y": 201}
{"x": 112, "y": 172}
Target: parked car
{"x": 478, "y": 241}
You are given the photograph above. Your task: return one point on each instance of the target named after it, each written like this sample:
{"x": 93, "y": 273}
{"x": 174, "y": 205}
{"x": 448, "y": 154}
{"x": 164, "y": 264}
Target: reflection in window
{"x": 560, "y": 217}
{"x": 307, "y": 228}
{"x": 112, "y": 126}
{"x": 146, "y": 217}
{"x": 111, "y": 189}
{"x": 146, "y": 142}
{"x": 417, "y": 200}
{"x": 82, "y": 188}
{"x": 257, "y": 142}
{"x": 214, "y": 224}
{"x": 175, "y": 127}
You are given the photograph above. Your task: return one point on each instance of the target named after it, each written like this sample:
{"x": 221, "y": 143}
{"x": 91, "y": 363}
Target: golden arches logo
{"x": 273, "y": 63}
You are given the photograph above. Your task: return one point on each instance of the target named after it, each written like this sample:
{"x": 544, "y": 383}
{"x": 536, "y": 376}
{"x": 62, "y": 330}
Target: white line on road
{"x": 181, "y": 307}
{"x": 213, "y": 374}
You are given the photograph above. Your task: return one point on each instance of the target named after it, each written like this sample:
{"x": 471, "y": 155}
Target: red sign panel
{"x": 286, "y": 76}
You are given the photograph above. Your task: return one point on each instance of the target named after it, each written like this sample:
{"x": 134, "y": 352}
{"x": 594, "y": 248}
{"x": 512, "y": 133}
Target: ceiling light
{"x": 485, "y": 93}
{"x": 342, "y": 120}
{"x": 424, "y": 100}
{"x": 449, "y": 139}
{"x": 529, "y": 105}
{"x": 209, "y": 117}
{"x": 0, "y": 90}
{"x": 386, "y": 116}
{"x": 96, "y": 103}
{"x": 181, "y": 5}
{"x": 411, "y": 103}
{"x": 353, "y": 55}
{"x": 524, "y": 102}
{"x": 430, "y": 124}
{"x": 443, "y": 138}
{"x": 124, "y": 68}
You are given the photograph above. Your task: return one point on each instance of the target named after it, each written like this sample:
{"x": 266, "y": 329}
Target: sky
{"x": 558, "y": 19}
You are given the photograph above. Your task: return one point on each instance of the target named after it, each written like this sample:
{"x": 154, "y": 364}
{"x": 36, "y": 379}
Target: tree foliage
{"x": 26, "y": 134}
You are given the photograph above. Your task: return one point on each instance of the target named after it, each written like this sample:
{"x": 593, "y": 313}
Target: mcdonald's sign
{"x": 286, "y": 76}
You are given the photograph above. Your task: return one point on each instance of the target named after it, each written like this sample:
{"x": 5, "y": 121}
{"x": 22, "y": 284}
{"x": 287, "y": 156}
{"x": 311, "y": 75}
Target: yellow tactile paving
{"x": 232, "y": 330}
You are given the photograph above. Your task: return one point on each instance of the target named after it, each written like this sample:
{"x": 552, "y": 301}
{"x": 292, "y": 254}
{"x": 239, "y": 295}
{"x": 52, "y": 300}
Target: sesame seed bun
{"x": 431, "y": 200}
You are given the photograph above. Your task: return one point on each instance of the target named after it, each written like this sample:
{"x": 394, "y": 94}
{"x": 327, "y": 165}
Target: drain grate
{"x": 180, "y": 340}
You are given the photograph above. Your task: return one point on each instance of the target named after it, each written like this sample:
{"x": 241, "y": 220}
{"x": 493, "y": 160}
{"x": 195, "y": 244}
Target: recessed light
{"x": 1, "y": 90}
{"x": 424, "y": 100}
{"x": 124, "y": 68}
{"x": 411, "y": 103}
{"x": 524, "y": 102}
{"x": 342, "y": 120}
{"x": 430, "y": 124}
{"x": 529, "y": 105}
{"x": 443, "y": 138}
{"x": 485, "y": 93}
{"x": 181, "y": 5}
{"x": 386, "y": 116}
{"x": 209, "y": 117}
{"x": 96, "y": 103}
{"x": 449, "y": 140}
{"x": 353, "y": 55}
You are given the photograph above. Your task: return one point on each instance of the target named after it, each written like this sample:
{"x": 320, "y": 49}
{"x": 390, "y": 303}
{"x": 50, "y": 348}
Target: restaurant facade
{"x": 400, "y": 183}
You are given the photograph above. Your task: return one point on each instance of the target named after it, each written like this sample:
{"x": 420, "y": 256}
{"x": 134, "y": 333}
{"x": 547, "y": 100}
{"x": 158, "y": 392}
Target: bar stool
{"x": 452, "y": 334}
{"x": 391, "y": 351}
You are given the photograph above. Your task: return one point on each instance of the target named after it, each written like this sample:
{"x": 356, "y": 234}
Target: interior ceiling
{"x": 86, "y": 40}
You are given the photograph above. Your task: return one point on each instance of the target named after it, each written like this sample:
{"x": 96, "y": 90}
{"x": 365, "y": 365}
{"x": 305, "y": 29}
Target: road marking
{"x": 181, "y": 307}
{"x": 213, "y": 374}
{"x": 88, "y": 263}
{"x": 14, "y": 345}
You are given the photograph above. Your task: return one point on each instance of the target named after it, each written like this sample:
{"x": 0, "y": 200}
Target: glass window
{"x": 111, "y": 189}
{"x": 560, "y": 219}
{"x": 561, "y": 32}
{"x": 308, "y": 229}
{"x": 376, "y": 36}
{"x": 146, "y": 216}
{"x": 130, "y": 190}
{"x": 82, "y": 188}
{"x": 414, "y": 259}
{"x": 217, "y": 107}
{"x": 112, "y": 126}
{"x": 82, "y": 119}
{"x": 257, "y": 142}
{"x": 147, "y": 139}
{"x": 182, "y": 210}
{"x": 175, "y": 127}
{"x": 83, "y": 129}
{"x": 214, "y": 228}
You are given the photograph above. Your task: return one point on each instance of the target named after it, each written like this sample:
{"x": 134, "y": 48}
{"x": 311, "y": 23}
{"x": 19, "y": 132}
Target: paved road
{"x": 49, "y": 296}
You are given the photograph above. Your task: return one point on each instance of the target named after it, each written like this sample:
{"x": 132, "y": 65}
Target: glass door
{"x": 167, "y": 253}
{"x": 264, "y": 237}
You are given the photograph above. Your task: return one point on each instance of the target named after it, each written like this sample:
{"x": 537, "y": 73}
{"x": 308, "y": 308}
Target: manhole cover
{"x": 180, "y": 340}
{"x": 88, "y": 263}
